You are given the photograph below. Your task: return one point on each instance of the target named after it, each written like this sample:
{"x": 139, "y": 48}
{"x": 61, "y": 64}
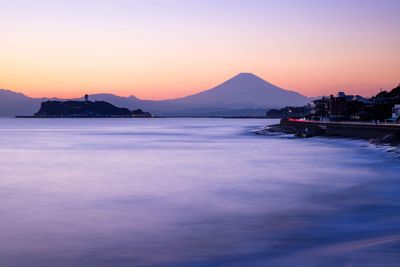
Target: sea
{"x": 192, "y": 193}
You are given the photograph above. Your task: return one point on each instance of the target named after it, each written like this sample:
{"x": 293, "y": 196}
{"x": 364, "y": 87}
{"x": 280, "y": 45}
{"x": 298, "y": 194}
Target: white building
{"x": 396, "y": 112}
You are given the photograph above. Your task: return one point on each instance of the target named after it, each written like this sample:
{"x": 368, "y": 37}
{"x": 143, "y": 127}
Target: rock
{"x": 309, "y": 132}
{"x": 390, "y": 138}
{"x": 387, "y": 139}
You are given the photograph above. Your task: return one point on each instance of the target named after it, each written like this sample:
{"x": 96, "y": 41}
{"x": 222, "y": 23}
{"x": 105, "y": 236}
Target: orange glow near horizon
{"x": 169, "y": 49}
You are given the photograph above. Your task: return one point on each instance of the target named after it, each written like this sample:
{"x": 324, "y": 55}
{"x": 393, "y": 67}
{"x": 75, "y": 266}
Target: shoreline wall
{"x": 356, "y": 130}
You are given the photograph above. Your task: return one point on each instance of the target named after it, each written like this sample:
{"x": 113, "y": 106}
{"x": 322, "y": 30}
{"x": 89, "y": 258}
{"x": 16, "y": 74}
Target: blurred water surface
{"x": 192, "y": 192}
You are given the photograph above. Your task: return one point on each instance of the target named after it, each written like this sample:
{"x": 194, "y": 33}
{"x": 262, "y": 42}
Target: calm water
{"x": 192, "y": 192}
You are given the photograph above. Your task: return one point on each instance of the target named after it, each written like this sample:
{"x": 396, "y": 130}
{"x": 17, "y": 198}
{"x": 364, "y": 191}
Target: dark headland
{"x": 85, "y": 109}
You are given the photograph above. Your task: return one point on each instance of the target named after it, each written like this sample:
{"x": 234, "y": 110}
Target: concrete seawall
{"x": 344, "y": 129}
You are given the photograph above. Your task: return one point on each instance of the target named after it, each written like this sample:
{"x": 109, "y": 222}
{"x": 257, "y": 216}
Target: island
{"x": 86, "y": 109}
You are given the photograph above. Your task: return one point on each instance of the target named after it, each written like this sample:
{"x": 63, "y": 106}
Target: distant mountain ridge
{"x": 244, "y": 94}
{"x": 13, "y": 104}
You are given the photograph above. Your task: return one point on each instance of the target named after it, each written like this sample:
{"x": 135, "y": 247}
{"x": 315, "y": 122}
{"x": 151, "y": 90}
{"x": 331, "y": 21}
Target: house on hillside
{"x": 396, "y": 113}
{"x": 340, "y": 107}
{"x": 321, "y": 108}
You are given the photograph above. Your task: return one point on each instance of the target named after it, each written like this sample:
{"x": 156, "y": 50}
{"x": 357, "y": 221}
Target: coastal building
{"x": 289, "y": 112}
{"x": 385, "y": 106}
{"x": 339, "y": 107}
{"x": 321, "y": 108}
{"x": 396, "y": 112}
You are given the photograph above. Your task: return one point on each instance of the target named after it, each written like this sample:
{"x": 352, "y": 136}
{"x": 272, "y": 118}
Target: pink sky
{"x": 159, "y": 49}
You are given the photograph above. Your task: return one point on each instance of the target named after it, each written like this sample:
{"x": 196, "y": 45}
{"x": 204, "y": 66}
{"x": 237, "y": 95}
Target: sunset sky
{"x": 156, "y": 49}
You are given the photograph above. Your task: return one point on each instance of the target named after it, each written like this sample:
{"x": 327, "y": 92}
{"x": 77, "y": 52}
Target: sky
{"x": 158, "y": 49}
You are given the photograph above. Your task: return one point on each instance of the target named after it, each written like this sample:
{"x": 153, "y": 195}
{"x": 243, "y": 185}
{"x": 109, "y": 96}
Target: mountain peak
{"x": 246, "y": 90}
{"x": 246, "y": 80}
{"x": 246, "y": 75}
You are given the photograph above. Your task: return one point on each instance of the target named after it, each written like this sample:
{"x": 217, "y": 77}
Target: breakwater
{"x": 384, "y": 132}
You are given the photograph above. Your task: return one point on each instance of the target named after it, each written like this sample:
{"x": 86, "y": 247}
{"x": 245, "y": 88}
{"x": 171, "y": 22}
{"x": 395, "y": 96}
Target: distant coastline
{"x": 158, "y": 117}
{"x": 242, "y": 95}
